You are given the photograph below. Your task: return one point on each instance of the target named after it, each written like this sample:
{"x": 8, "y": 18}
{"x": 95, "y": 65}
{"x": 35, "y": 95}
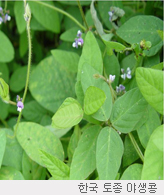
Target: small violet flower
{"x": 20, "y": 104}
{"x": 78, "y": 41}
{"x": 111, "y": 78}
{"x": 127, "y": 74}
{"x": 120, "y": 89}
{"x": 4, "y": 16}
{"x": 110, "y": 15}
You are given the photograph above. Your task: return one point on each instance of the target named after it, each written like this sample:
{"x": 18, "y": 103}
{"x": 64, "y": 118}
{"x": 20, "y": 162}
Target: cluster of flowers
{"x": 119, "y": 88}
{"x": 126, "y": 74}
{"x": 20, "y": 104}
{"x": 4, "y": 17}
{"x": 78, "y": 41}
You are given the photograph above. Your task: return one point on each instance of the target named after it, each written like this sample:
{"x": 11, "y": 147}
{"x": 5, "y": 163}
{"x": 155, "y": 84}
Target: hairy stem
{"x": 62, "y": 12}
{"x": 138, "y": 150}
{"x": 82, "y": 14}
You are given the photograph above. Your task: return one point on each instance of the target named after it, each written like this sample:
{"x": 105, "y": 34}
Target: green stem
{"x": 139, "y": 152}
{"x": 28, "y": 70}
{"x": 62, "y": 12}
{"x": 82, "y": 14}
{"x": 5, "y": 6}
{"x": 12, "y": 103}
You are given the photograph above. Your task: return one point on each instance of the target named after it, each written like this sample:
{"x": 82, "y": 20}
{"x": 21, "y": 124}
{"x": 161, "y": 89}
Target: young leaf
{"x": 4, "y": 90}
{"x": 58, "y": 169}
{"x": 142, "y": 27}
{"x": 93, "y": 100}
{"x": 69, "y": 114}
{"x": 128, "y": 110}
{"x": 2, "y": 145}
{"x": 84, "y": 158}
{"x": 10, "y": 173}
{"x": 31, "y": 170}
{"x": 133, "y": 172}
{"x": 150, "y": 84}
{"x": 33, "y": 137}
{"x": 153, "y": 157}
{"x": 6, "y": 49}
{"x": 109, "y": 151}
{"x": 110, "y": 45}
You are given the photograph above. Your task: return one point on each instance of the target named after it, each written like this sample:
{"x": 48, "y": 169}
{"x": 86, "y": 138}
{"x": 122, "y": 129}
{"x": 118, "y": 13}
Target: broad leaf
{"x": 58, "y": 169}
{"x": 69, "y": 114}
{"x": 153, "y": 157}
{"x": 93, "y": 100}
{"x": 51, "y": 83}
{"x": 109, "y": 151}
{"x": 128, "y": 110}
{"x": 145, "y": 131}
{"x": 46, "y": 16}
{"x": 33, "y": 137}
{"x": 142, "y": 27}
{"x": 6, "y": 49}
{"x": 133, "y": 172}
{"x": 66, "y": 58}
{"x": 150, "y": 83}
{"x": 4, "y": 90}
{"x": 84, "y": 158}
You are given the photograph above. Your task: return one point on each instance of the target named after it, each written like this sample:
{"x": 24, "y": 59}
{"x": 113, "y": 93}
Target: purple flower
{"x": 20, "y": 106}
{"x": 127, "y": 74}
{"x": 1, "y": 10}
{"x": 79, "y": 41}
{"x": 111, "y": 78}
{"x": 7, "y": 18}
{"x": 120, "y": 89}
{"x": 79, "y": 33}
{"x": 110, "y": 15}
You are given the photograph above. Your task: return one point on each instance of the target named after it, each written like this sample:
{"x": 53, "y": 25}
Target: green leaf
{"x": 46, "y": 16}
{"x": 130, "y": 155}
{"x": 91, "y": 55}
{"x": 23, "y": 43}
{"x": 4, "y": 111}
{"x": 142, "y": 27}
{"x": 2, "y": 145}
{"x": 17, "y": 79}
{"x": 153, "y": 157}
{"x": 4, "y": 70}
{"x": 33, "y": 137}
{"x": 19, "y": 16}
{"x": 10, "y": 173}
{"x": 150, "y": 84}
{"x": 87, "y": 80}
{"x": 50, "y": 84}
{"x": 4, "y": 90}
{"x": 151, "y": 61}
{"x": 110, "y": 45}
{"x": 66, "y": 58}
{"x": 159, "y": 66}
{"x": 145, "y": 131}
{"x": 93, "y": 100}
{"x": 31, "y": 170}
{"x": 128, "y": 110}
{"x": 108, "y": 155}
{"x": 73, "y": 142}
{"x": 34, "y": 112}
{"x": 84, "y": 158}
{"x": 6, "y": 49}
{"x": 13, "y": 152}
{"x": 58, "y": 169}
{"x": 69, "y": 114}
{"x": 111, "y": 65}
{"x": 79, "y": 92}
{"x": 69, "y": 35}
{"x": 133, "y": 172}
{"x": 58, "y": 132}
